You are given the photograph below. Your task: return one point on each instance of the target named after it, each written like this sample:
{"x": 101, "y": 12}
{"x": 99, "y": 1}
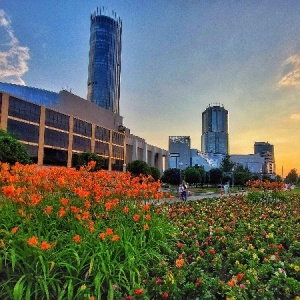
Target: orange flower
{"x": 36, "y": 199}
{"x": 125, "y": 209}
{"x": 179, "y": 263}
{"x": 101, "y": 236}
{"x": 85, "y": 215}
{"x": 115, "y": 238}
{"x": 14, "y": 230}
{"x": 148, "y": 217}
{"x": 109, "y": 231}
{"x": 232, "y": 282}
{"x": 146, "y": 227}
{"x": 33, "y": 241}
{"x": 165, "y": 295}
{"x": 45, "y": 246}
{"x": 108, "y": 206}
{"x": 77, "y": 238}
{"x": 87, "y": 204}
{"x": 92, "y": 298}
{"x": 146, "y": 207}
{"x": 64, "y": 201}
{"x": 61, "y": 212}
{"x": 136, "y": 218}
{"x": 280, "y": 246}
{"x": 48, "y": 210}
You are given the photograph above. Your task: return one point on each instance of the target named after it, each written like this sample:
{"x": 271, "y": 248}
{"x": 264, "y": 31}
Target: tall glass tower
{"x": 105, "y": 60}
{"x": 214, "y": 137}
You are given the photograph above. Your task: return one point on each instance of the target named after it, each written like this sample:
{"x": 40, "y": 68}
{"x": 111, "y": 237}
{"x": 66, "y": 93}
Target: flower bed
{"x": 69, "y": 234}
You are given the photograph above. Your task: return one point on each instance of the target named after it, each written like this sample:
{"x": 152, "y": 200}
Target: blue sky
{"x": 178, "y": 56}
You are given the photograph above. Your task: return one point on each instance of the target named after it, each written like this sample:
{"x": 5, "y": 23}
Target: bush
{"x": 12, "y": 151}
{"x": 138, "y": 167}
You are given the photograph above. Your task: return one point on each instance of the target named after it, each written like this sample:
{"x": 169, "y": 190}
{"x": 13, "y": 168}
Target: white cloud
{"x": 13, "y": 57}
{"x": 295, "y": 117}
{"x": 292, "y": 78}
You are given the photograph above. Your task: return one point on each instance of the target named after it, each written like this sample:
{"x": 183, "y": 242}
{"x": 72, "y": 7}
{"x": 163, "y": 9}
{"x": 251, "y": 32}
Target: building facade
{"x": 104, "y": 68}
{"x": 266, "y": 150}
{"x": 214, "y": 137}
{"x": 179, "y": 152}
{"x": 64, "y": 125}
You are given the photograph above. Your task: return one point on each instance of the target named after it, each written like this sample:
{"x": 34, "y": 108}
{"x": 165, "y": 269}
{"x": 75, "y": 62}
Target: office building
{"x": 179, "y": 152}
{"x": 214, "y": 137}
{"x": 266, "y": 150}
{"x": 56, "y": 127}
{"x": 104, "y": 68}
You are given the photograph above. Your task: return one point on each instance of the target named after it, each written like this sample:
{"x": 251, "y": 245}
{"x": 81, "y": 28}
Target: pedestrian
{"x": 184, "y": 191}
{"x": 180, "y": 191}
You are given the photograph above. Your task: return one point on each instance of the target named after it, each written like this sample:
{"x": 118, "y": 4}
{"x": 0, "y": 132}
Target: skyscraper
{"x": 105, "y": 60}
{"x": 214, "y": 137}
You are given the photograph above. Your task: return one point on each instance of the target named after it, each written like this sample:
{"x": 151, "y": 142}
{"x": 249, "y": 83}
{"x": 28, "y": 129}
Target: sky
{"x": 178, "y": 57}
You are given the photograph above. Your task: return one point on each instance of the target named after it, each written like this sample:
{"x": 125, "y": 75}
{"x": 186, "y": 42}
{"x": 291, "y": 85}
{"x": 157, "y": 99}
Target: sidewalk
{"x": 196, "y": 197}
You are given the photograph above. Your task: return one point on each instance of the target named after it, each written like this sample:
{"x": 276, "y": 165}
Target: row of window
{"x": 31, "y": 112}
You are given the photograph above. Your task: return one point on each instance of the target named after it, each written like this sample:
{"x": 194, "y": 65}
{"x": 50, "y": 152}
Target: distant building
{"x": 104, "y": 68}
{"x": 179, "y": 152}
{"x": 266, "y": 150}
{"x": 214, "y": 137}
{"x": 254, "y": 162}
{"x": 207, "y": 160}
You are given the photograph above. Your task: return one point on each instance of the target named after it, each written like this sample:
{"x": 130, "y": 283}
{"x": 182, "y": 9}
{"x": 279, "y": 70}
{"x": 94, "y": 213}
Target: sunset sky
{"x": 178, "y": 56}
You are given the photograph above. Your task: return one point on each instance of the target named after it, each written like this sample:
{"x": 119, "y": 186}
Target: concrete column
{"x": 93, "y": 138}
{"x": 110, "y": 150}
{"x": 41, "y": 136}
{"x": 4, "y": 111}
{"x": 71, "y": 125}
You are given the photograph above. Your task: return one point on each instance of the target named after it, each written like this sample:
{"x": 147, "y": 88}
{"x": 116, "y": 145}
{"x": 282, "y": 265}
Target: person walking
{"x": 180, "y": 191}
{"x": 184, "y": 191}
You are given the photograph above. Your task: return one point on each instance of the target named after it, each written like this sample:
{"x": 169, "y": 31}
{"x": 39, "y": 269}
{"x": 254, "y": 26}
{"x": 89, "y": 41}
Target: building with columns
{"x": 55, "y": 127}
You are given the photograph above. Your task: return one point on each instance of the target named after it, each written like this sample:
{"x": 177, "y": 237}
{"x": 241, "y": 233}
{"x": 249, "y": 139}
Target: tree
{"x": 215, "y": 176}
{"x": 194, "y": 175}
{"x": 11, "y": 150}
{"x": 84, "y": 158}
{"x": 241, "y": 175}
{"x": 226, "y": 164}
{"x": 292, "y": 177}
{"x": 154, "y": 172}
{"x": 171, "y": 176}
{"x": 138, "y": 167}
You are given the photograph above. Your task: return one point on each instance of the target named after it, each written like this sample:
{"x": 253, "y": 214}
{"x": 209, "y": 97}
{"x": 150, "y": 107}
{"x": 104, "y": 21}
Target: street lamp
{"x": 180, "y": 166}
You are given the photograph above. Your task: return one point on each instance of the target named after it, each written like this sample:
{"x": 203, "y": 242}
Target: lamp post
{"x": 180, "y": 176}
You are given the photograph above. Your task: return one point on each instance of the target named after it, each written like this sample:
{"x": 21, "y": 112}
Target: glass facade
{"x": 56, "y": 138}
{"x": 23, "y": 131}
{"x": 104, "y": 68}
{"x": 57, "y": 120}
{"x": 214, "y": 137}
{"x": 82, "y": 127}
{"x": 24, "y": 110}
{"x": 102, "y": 134}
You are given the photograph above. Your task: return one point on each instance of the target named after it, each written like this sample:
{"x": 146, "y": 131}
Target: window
{"x": 118, "y": 138}
{"x": 23, "y": 131}
{"x": 56, "y": 138}
{"x": 24, "y": 110}
{"x": 57, "y": 120}
{"x": 118, "y": 152}
{"x": 102, "y": 148}
{"x": 102, "y": 134}
{"x": 81, "y": 144}
{"x": 82, "y": 127}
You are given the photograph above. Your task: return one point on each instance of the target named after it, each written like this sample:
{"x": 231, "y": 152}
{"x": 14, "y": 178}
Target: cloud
{"x": 13, "y": 57}
{"x": 292, "y": 78}
{"x": 295, "y": 117}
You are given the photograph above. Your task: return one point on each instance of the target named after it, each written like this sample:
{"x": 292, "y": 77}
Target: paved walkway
{"x": 202, "y": 196}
